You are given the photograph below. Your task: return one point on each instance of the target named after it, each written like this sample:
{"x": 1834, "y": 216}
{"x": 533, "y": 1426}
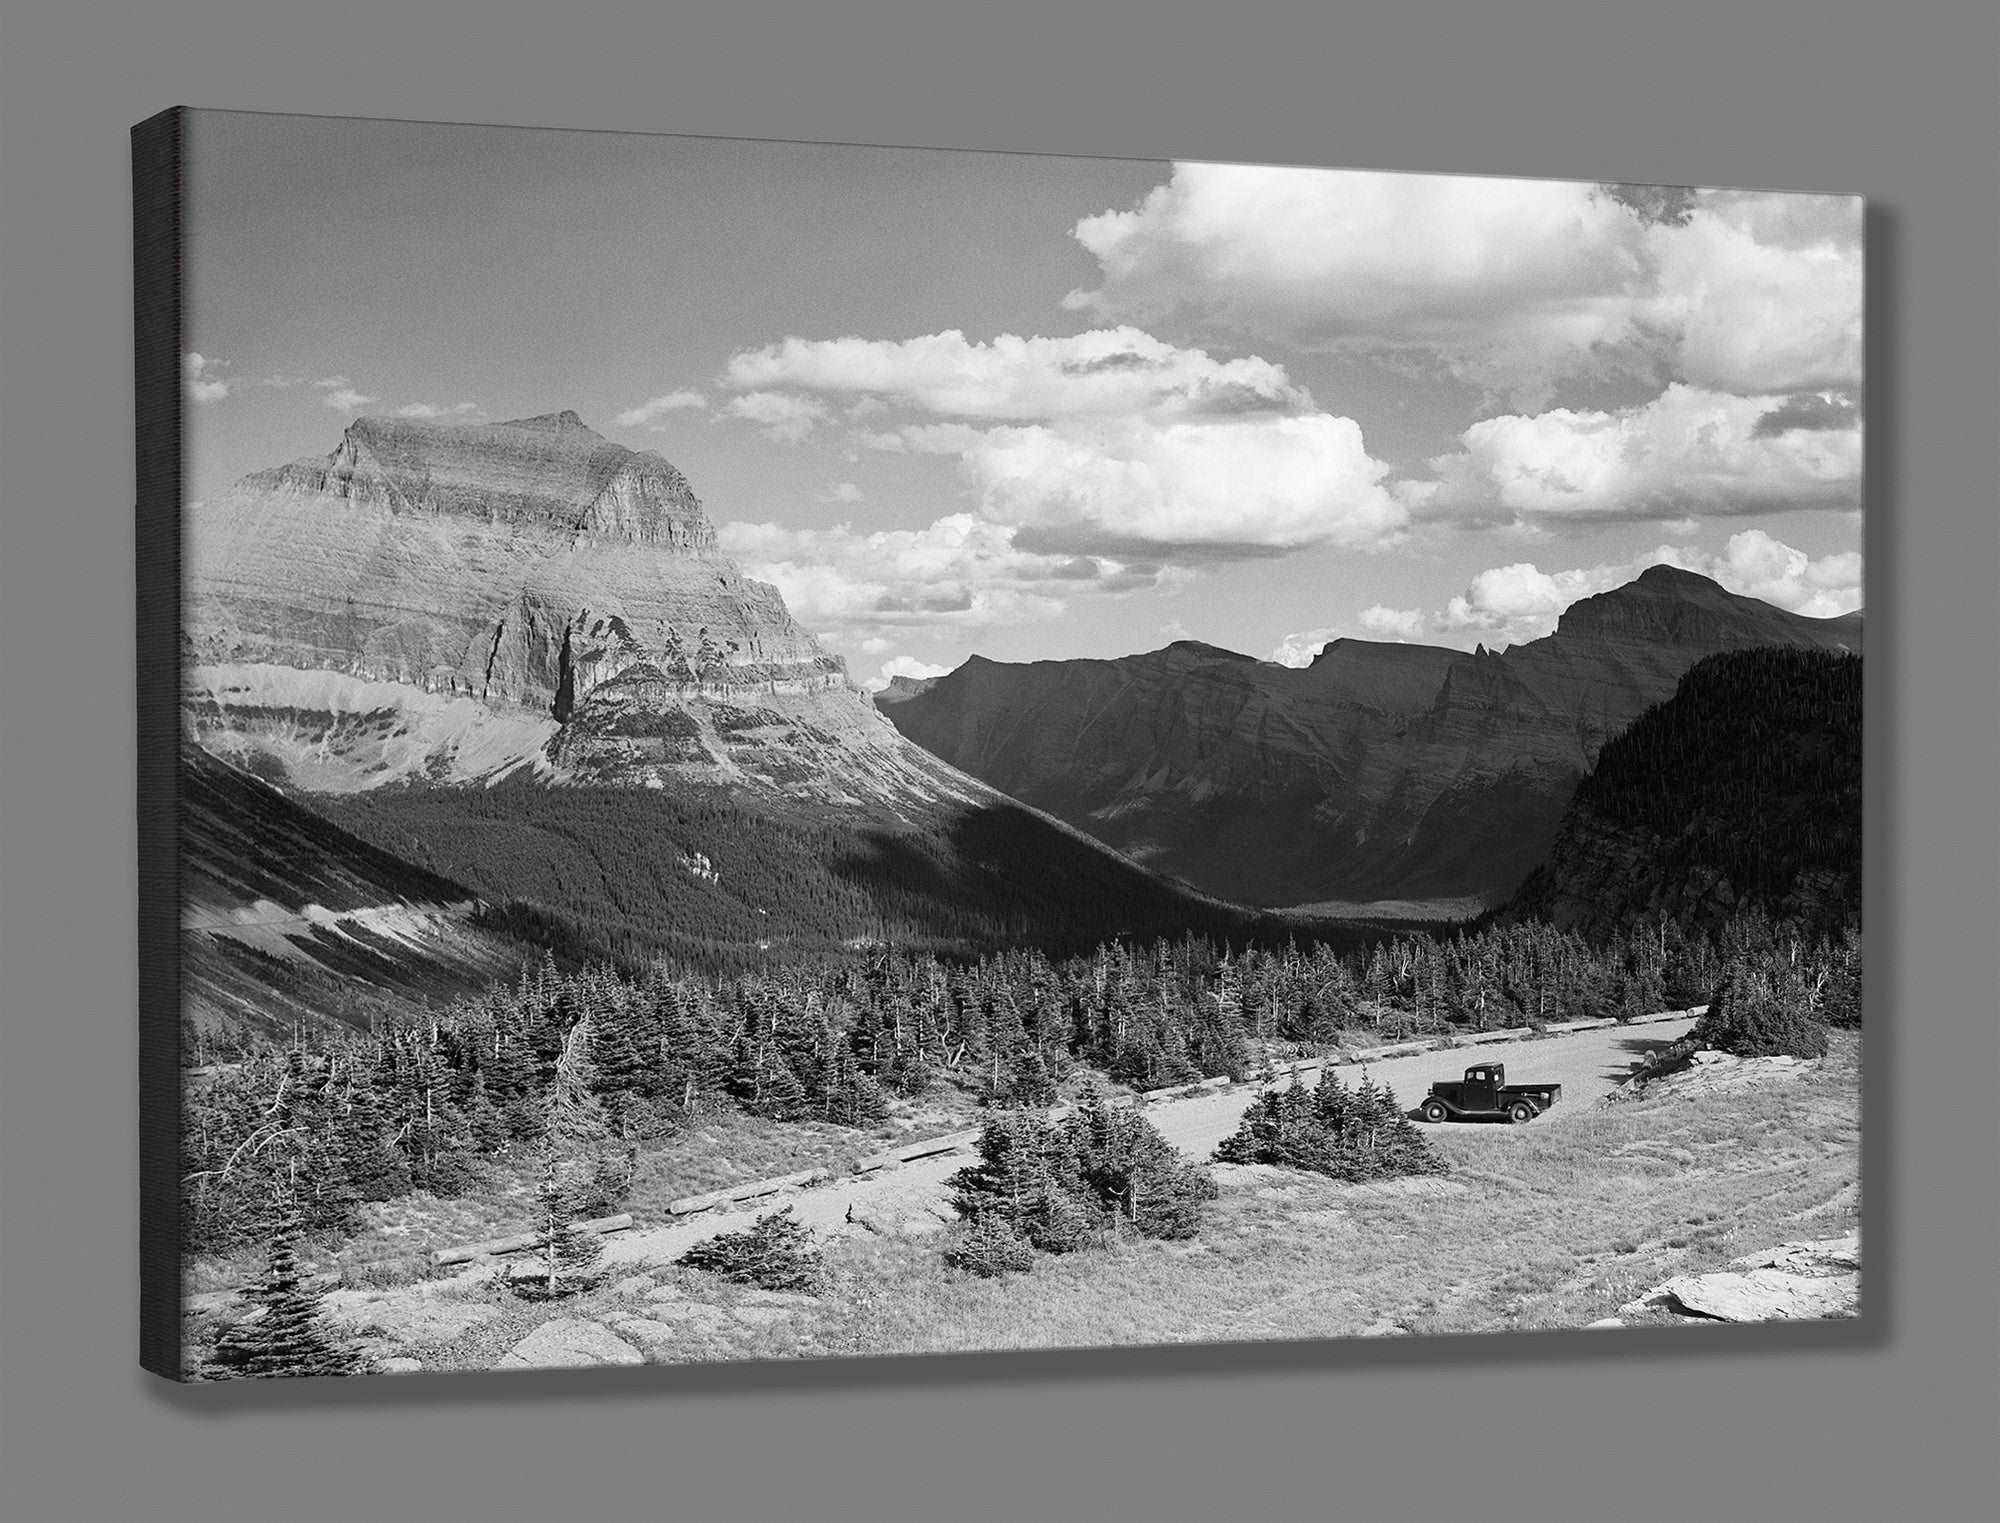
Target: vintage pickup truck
{"x": 1485, "y": 1095}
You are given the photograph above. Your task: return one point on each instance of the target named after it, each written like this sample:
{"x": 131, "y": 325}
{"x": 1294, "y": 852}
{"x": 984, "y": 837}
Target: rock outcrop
{"x": 1795, "y": 1281}
{"x": 1379, "y": 772}
{"x": 569, "y": 1343}
{"x": 456, "y": 602}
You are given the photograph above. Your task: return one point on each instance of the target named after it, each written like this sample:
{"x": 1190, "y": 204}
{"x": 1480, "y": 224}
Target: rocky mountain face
{"x": 462, "y": 602}
{"x": 1379, "y": 772}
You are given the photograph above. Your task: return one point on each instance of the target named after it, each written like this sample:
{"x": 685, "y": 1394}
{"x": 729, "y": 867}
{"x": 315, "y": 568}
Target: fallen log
{"x": 523, "y": 1240}
{"x": 929, "y": 1148}
{"x": 749, "y": 1191}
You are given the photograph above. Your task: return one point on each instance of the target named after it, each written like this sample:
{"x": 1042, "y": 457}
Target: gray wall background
{"x": 1896, "y": 1418}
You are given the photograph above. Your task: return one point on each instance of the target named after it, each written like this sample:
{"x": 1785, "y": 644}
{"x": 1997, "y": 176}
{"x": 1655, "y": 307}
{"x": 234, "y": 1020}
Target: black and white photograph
{"x": 803, "y": 751}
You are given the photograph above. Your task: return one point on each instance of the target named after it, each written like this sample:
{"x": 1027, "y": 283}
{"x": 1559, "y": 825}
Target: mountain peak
{"x": 1201, "y": 650}
{"x": 1660, "y": 574}
{"x": 565, "y": 421}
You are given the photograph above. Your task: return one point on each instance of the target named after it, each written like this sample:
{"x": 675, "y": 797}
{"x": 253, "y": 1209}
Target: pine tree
{"x": 1351, "y": 1134}
{"x": 288, "y": 1337}
{"x": 776, "y": 1252}
{"x": 989, "y": 1246}
{"x": 1133, "y": 1173}
{"x": 373, "y": 1165}
{"x": 574, "y": 1137}
{"x": 569, "y": 1257}
{"x": 1755, "y": 1014}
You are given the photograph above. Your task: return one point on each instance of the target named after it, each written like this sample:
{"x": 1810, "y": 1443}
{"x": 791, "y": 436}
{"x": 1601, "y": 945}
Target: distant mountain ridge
{"x": 1378, "y": 772}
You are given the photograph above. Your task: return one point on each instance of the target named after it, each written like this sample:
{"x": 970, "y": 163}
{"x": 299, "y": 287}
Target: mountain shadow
{"x": 289, "y": 920}
{"x": 1742, "y": 792}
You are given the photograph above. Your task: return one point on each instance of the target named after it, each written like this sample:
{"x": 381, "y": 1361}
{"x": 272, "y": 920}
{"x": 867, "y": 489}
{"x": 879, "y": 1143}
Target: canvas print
{"x": 771, "y": 750}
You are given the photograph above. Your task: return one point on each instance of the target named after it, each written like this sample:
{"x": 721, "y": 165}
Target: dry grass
{"x": 1549, "y": 1226}
{"x": 1555, "y": 1227}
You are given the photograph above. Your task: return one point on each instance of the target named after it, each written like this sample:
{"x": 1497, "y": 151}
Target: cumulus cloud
{"x": 784, "y": 417}
{"x": 1519, "y": 276}
{"x": 904, "y": 666}
{"x": 1393, "y": 623}
{"x": 1687, "y": 452}
{"x": 649, "y": 412}
{"x": 1509, "y": 283}
{"x": 1380, "y": 622}
{"x": 1522, "y": 602}
{"x": 1300, "y": 648}
{"x": 431, "y": 410}
{"x": 842, "y": 491}
{"x": 203, "y": 383}
{"x": 1113, "y": 371}
{"x": 1110, "y": 442}
{"x": 346, "y": 399}
{"x": 1758, "y": 566}
{"x": 960, "y": 572}
{"x": 1192, "y": 489}
{"x": 1763, "y": 294}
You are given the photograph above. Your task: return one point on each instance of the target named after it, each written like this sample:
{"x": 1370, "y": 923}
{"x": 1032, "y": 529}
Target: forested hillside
{"x": 1741, "y": 791}
{"x": 625, "y": 875}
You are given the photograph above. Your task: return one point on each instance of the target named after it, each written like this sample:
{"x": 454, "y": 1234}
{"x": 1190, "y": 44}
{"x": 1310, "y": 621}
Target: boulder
{"x": 569, "y": 1343}
{"x": 1810, "y": 1280}
{"x": 1763, "y": 1295}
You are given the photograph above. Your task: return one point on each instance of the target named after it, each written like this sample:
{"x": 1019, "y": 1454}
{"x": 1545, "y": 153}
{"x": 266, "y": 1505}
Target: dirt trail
{"x": 1588, "y": 1065}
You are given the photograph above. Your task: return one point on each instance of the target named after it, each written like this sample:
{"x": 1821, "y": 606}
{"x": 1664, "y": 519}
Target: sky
{"x": 1035, "y": 408}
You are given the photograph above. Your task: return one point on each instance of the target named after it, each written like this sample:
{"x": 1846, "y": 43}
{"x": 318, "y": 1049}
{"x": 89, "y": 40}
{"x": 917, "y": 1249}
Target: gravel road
{"x": 1588, "y": 1065}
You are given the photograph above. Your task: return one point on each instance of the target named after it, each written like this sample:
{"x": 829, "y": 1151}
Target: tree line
{"x": 333, "y": 1119}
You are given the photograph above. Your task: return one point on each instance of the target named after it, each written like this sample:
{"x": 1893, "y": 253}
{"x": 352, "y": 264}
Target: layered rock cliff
{"x": 1379, "y": 772}
{"x": 458, "y": 602}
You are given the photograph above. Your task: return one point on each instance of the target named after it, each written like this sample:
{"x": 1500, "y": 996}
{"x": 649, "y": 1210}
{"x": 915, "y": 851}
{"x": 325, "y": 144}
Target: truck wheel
{"x": 1521, "y": 1111}
{"x": 1434, "y": 1111}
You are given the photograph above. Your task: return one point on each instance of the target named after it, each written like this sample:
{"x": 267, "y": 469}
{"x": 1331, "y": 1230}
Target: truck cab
{"x": 1480, "y": 1089}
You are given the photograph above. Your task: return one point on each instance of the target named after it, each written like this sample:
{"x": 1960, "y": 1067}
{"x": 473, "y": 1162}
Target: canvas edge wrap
{"x": 158, "y": 165}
